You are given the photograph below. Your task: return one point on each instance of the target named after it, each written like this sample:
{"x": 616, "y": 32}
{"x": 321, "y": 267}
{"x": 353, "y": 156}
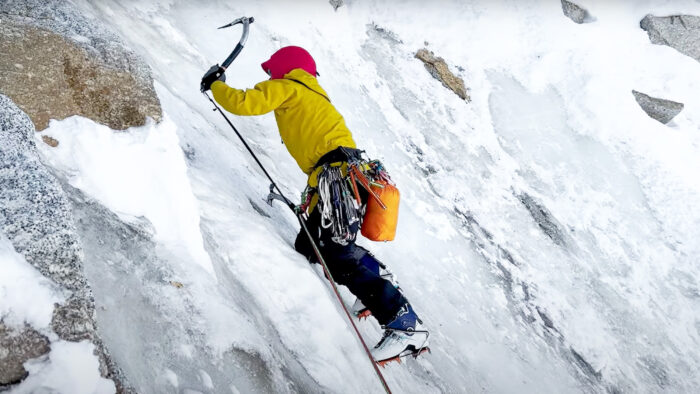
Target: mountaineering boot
{"x": 359, "y": 309}
{"x": 402, "y": 337}
{"x": 388, "y": 275}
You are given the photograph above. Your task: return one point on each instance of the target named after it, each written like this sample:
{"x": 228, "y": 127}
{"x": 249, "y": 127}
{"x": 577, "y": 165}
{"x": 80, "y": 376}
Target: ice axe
{"x": 216, "y": 71}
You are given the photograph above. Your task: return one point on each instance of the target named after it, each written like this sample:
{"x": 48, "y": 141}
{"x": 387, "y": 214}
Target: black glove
{"x": 215, "y": 73}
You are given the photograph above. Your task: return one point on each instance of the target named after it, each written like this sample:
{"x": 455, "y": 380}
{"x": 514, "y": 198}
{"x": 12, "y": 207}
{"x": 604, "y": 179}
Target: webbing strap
{"x": 307, "y": 86}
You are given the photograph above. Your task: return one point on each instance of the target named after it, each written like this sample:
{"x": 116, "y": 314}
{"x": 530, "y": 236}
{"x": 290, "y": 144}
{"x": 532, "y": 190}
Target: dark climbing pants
{"x": 352, "y": 266}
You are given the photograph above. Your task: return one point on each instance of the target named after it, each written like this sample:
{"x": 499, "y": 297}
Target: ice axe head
{"x": 244, "y": 20}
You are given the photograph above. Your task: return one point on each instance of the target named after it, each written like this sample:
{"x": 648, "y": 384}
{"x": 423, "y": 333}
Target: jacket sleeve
{"x": 263, "y": 98}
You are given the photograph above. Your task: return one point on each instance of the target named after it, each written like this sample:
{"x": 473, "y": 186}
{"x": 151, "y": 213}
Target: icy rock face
{"x": 575, "y": 12}
{"x": 437, "y": 67}
{"x": 544, "y": 219}
{"x": 680, "y": 32}
{"x": 659, "y": 109}
{"x": 17, "y": 347}
{"x": 57, "y": 63}
{"x": 35, "y": 216}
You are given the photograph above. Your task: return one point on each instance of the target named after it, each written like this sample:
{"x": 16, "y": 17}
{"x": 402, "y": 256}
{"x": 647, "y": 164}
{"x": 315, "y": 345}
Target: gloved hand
{"x": 215, "y": 73}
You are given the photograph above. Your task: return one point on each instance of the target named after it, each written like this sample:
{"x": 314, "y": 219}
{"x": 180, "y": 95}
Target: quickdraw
{"x": 306, "y": 198}
{"x": 337, "y": 205}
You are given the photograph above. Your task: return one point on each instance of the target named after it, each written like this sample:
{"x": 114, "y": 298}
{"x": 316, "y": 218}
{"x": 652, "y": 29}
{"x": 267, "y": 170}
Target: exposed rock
{"x": 176, "y": 284}
{"x": 437, "y": 67}
{"x": 34, "y": 213}
{"x": 36, "y": 217}
{"x": 336, "y": 4}
{"x": 16, "y": 347}
{"x": 680, "y": 32}
{"x": 56, "y": 63}
{"x": 659, "y": 109}
{"x": 575, "y": 12}
{"x": 52, "y": 142}
{"x": 544, "y": 219}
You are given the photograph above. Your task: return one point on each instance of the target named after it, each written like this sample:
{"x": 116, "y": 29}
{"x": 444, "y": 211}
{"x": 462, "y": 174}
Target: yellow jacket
{"x": 309, "y": 124}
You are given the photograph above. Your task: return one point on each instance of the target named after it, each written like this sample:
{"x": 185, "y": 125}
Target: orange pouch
{"x": 379, "y": 224}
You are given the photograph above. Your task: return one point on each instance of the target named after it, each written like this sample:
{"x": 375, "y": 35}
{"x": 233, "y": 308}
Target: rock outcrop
{"x": 437, "y": 67}
{"x": 680, "y": 32}
{"x": 17, "y": 347}
{"x": 36, "y": 217}
{"x": 56, "y": 63}
{"x": 575, "y": 12}
{"x": 660, "y": 109}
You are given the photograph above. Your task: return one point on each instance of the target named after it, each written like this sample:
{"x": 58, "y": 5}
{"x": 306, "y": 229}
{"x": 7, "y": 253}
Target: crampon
{"x": 410, "y": 351}
{"x": 363, "y": 314}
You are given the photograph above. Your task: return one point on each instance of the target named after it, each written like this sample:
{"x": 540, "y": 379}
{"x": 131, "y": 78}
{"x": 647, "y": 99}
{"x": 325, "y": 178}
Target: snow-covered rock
{"x": 660, "y": 109}
{"x": 36, "y": 217}
{"x": 681, "y": 32}
{"x": 60, "y": 63}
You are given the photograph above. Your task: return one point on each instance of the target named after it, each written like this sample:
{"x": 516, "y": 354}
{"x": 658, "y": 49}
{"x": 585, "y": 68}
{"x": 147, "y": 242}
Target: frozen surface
{"x": 548, "y": 231}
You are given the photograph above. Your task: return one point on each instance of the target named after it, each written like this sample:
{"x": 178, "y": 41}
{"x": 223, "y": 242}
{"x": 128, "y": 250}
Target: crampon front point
{"x": 410, "y": 351}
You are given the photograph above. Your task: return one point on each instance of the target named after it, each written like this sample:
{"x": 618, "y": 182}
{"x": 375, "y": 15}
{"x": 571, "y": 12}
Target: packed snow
{"x": 18, "y": 279}
{"x": 71, "y": 367}
{"x": 549, "y": 229}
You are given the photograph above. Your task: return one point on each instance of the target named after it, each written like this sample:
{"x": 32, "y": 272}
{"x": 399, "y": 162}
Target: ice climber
{"x": 316, "y": 136}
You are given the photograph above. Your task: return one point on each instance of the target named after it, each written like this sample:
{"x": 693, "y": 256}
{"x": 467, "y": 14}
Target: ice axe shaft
{"x": 245, "y": 21}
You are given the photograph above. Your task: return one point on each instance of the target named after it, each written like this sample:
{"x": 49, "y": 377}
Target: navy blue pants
{"x": 352, "y": 266}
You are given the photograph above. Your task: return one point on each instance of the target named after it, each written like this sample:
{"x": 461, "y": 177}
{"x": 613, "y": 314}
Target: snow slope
{"x": 548, "y": 231}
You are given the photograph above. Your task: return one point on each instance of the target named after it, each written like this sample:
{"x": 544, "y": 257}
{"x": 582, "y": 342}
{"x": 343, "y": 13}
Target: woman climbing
{"x": 316, "y": 136}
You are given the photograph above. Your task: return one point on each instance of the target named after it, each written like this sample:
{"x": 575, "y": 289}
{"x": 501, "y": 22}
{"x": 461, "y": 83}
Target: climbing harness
{"x": 280, "y": 196}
